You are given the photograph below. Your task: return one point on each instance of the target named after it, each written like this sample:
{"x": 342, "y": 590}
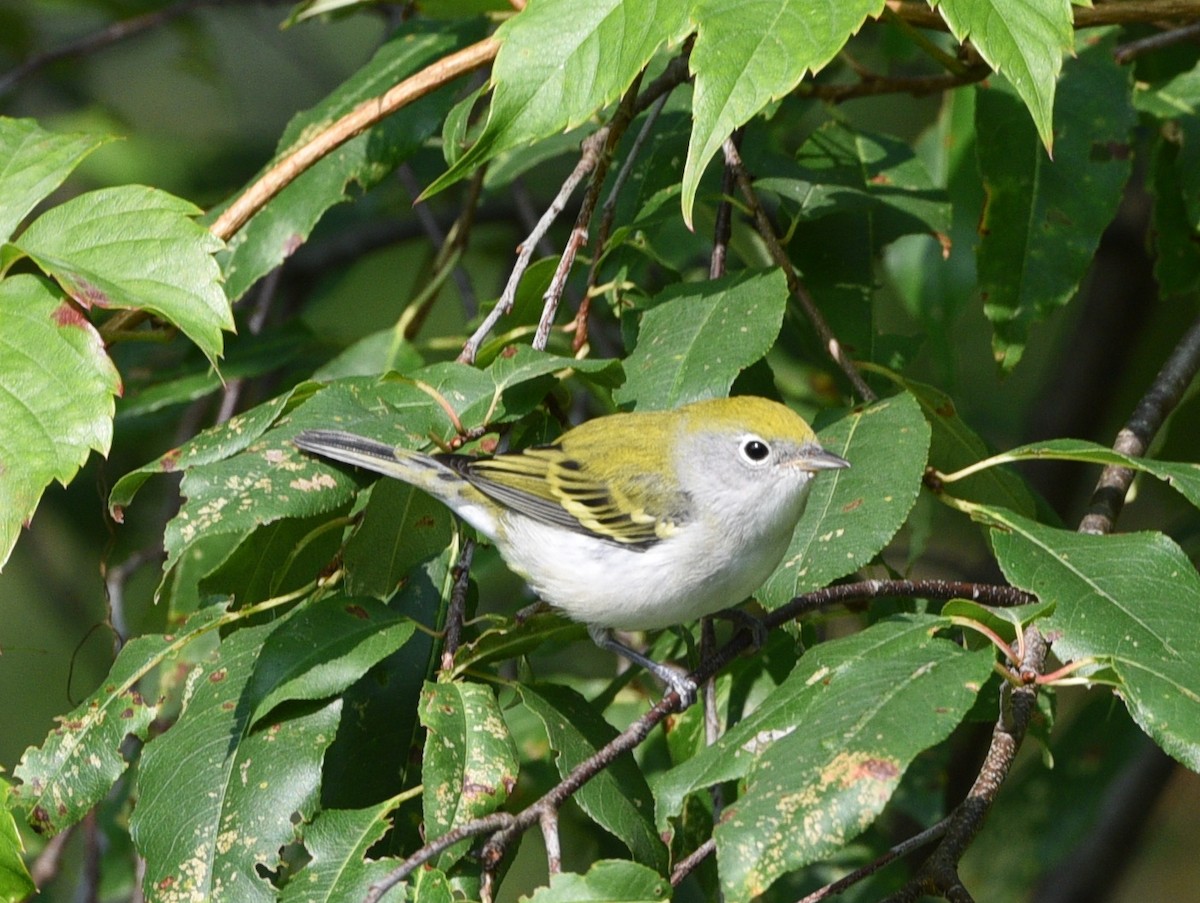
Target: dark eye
{"x": 755, "y": 450}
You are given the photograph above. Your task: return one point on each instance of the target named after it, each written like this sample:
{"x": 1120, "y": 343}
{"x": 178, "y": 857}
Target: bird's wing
{"x": 550, "y": 486}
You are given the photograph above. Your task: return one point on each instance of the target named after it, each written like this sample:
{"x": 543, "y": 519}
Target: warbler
{"x": 635, "y": 521}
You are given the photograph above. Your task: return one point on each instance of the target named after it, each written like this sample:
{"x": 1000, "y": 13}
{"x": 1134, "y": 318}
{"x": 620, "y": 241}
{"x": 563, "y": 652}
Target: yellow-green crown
{"x": 748, "y": 413}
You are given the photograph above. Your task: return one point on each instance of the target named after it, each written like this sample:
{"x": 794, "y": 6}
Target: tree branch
{"x": 357, "y": 121}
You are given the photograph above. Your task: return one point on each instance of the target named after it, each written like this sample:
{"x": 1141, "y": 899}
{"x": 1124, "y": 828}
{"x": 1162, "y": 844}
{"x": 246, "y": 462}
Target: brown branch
{"x": 767, "y": 232}
{"x": 458, "y": 604}
{"x": 354, "y": 123}
{"x": 871, "y": 84}
{"x": 939, "y": 874}
{"x": 1128, "y": 52}
{"x": 903, "y": 848}
{"x": 1135, "y": 437}
{"x": 1128, "y": 11}
{"x": 508, "y": 827}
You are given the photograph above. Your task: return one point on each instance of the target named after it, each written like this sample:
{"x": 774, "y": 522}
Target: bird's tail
{"x": 337, "y": 445}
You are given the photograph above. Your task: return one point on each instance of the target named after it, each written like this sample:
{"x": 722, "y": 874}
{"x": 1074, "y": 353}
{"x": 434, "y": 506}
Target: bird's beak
{"x": 814, "y": 458}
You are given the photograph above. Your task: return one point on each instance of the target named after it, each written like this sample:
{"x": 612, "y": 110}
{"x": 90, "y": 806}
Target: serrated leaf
{"x": 337, "y": 842}
{"x": 1126, "y": 601}
{"x": 33, "y": 162}
{"x": 283, "y": 225}
{"x": 750, "y": 52}
{"x": 1024, "y": 40}
{"x": 326, "y": 647}
{"x": 1043, "y": 220}
{"x": 607, "y": 881}
{"x": 699, "y": 337}
{"x": 470, "y": 763}
{"x": 56, "y": 397}
{"x": 559, "y": 62}
{"x": 852, "y": 514}
{"x": 824, "y": 752}
{"x": 618, "y": 798}
{"x": 244, "y": 790}
{"x": 135, "y": 248}
{"x": 81, "y": 758}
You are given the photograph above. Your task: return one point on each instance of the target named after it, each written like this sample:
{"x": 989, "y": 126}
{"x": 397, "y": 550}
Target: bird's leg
{"x": 746, "y": 621}
{"x": 683, "y": 685}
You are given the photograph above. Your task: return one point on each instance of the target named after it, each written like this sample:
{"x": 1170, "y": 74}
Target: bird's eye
{"x": 755, "y": 449}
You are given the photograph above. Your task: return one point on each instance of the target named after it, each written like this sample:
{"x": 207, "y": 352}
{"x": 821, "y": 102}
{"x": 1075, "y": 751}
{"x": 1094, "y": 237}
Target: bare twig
{"x": 903, "y": 848}
{"x": 508, "y": 827}
{"x": 549, "y": 825}
{"x": 767, "y": 232}
{"x": 939, "y": 873}
{"x": 458, "y": 604}
{"x": 922, "y": 16}
{"x": 525, "y": 252}
{"x": 358, "y": 120}
{"x": 1128, "y": 52}
{"x": 112, "y": 33}
{"x": 434, "y": 848}
{"x": 1135, "y": 437}
{"x": 607, "y": 215}
{"x": 688, "y": 864}
{"x": 447, "y": 243}
{"x": 723, "y": 227}
{"x": 871, "y": 84}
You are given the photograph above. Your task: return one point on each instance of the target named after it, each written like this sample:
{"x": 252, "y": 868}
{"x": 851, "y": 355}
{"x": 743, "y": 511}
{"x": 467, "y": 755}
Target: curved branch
{"x": 357, "y": 121}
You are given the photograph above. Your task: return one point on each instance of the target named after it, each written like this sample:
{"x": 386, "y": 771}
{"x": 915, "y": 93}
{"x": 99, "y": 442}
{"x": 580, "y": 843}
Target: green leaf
{"x": 135, "y": 248}
{"x": 400, "y": 526}
{"x": 751, "y": 52}
{"x": 842, "y": 169}
{"x": 56, "y": 397}
{"x": 15, "y": 881}
{"x": 337, "y": 842}
{"x": 607, "y": 881}
{"x": 212, "y": 445}
{"x": 276, "y": 231}
{"x": 326, "y": 647}
{"x": 1125, "y": 601}
{"x": 825, "y": 751}
{"x": 512, "y": 639}
{"x": 81, "y": 758}
{"x": 33, "y": 162}
{"x": 1182, "y": 475}
{"x": 852, "y": 514}
{"x": 1043, "y": 220}
{"x": 470, "y": 763}
{"x": 245, "y": 790}
{"x": 559, "y": 62}
{"x": 618, "y": 798}
{"x": 700, "y": 336}
{"x": 1175, "y": 234}
{"x": 1024, "y": 40}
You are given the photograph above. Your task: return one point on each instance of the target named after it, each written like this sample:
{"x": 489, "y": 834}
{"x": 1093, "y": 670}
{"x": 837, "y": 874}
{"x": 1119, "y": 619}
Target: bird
{"x": 634, "y": 520}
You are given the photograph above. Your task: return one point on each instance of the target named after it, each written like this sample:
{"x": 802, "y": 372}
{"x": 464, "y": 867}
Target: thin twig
{"x": 458, "y": 604}
{"x": 1128, "y": 52}
{"x": 601, "y": 149}
{"x": 688, "y": 864}
{"x": 449, "y": 242}
{"x": 354, "y": 123}
{"x": 607, "y": 215}
{"x": 723, "y": 227}
{"x": 939, "y": 874}
{"x": 508, "y": 827}
{"x": 919, "y": 13}
{"x": 871, "y": 84}
{"x": 112, "y": 33}
{"x": 1135, "y": 437}
{"x": 525, "y": 254}
{"x": 549, "y": 824}
{"x": 903, "y": 848}
{"x": 767, "y": 232}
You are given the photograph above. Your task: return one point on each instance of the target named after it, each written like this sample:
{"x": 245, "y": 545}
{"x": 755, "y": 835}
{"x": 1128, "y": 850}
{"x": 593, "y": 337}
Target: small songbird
{"x": 635, "y": 520}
